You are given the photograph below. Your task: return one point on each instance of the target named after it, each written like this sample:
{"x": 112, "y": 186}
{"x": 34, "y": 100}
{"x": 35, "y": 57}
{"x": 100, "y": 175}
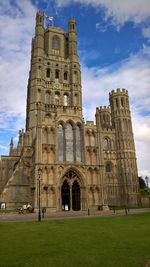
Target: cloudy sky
{"x": 114, "y": 50}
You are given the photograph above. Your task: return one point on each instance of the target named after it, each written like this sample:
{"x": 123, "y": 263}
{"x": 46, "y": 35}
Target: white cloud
{"x": 146, "y": 32}
{"x": 16, "y": 26}
{"x": 116, "y": 11}
{"x": 141, "y": 126}
{"x": 100, "y": 27}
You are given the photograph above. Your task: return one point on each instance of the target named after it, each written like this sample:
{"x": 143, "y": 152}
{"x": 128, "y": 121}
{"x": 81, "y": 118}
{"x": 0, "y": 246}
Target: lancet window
{"x": 60, "y": 143}
{"x": 78, "y": 144}
{"x": 56, "y": 42}
{"x": 108, "y": 166}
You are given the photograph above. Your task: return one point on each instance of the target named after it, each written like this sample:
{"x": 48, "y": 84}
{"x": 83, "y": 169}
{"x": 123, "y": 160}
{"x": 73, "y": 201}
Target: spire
{"x": 11, "y": 142}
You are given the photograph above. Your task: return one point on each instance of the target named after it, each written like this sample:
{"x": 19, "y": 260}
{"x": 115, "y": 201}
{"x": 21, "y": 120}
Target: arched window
{"x": 47, "y": 118}
{"x": 92, "y": 140}
{"x": 122, "y": 102}
{"x": 56, "y": 99}
{"x": 69, "y": 142}
{"x": 108, "y": 167}
{"x": 47, "y": 97}
{"x": 65, "y": 100}
{"x": 56, "y": 42}
{"x": 65, "y": 76}
{"x": 48, "y": 72}
{"x": 78, "y": 144}
{"x": 76, "y": 100}
{"x": 45, "y": 136}
{"x": 87, "y": 139}
{"x": 117, "y": 103}
{"x": 106, "y": 144}
{"x": 57, "y": 74}
{"x": 60, "y": 143}
{"x": 52, "y": 137}
{"x": 39, "y": 95}
{"x": 124, "y": 125}
{"x": 75, "y": 77}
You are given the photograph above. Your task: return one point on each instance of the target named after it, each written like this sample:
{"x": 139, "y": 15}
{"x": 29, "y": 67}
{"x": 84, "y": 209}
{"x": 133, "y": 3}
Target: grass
{"x": 90, "y": 242}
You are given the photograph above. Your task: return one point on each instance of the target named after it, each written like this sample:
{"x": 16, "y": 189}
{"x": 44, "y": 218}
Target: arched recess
{"x": 48, "y": 97}
{"x": 106, "y": 143}
{"x": 65, "y": 99}
{"x": 78, "y": 144}
{"x": 108, "y": 167}
{"x": 60, "y": 143}
{"x": 69, "y": 142}
{"x": 52, "y": 141}
{"x": 39, "y": 95}
{"x": 48, "y": 73}
{"x": 56, "y": 42}
{"x": 65, "y": 196}
{"x": 93, "y": 138}
{"x": 65, "y": 76}
{"x": 76, "y": 99}
{"x": 75, "y": 77}
{"x": 87, "y": 138}
{"x": 56, "y": 98}
{"x": 45, "y": 136}
{"x": 76, "y": 195}
{"x": 47, "y": 118}
{"x": 72, "y": 191}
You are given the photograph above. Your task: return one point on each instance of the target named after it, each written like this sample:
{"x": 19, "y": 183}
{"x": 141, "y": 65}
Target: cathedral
{"x": 68, "y": 163}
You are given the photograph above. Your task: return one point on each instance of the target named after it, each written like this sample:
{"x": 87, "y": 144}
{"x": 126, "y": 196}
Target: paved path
{"x": 66, "y": 215}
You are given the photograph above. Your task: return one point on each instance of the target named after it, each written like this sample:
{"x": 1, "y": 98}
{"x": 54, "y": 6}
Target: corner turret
{"x": 72, "y": 40}
{"x": 126, "y": 158}
{"x": 103, "y": 119}
{"x": 11, "y": 146}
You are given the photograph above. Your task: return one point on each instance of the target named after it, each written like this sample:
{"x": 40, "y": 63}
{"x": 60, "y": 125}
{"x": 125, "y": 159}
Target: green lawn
{"x": 103, "y": 242}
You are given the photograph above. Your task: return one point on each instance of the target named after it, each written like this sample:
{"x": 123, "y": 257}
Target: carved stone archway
{"x": 71, "y": 191}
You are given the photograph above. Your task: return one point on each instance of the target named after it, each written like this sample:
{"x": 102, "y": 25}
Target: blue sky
{"x": 114, "y": 50}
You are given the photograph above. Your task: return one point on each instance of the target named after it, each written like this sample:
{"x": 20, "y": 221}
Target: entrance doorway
{"x": 65, "y": 193}
{"x": 75, "y": 196}
{"x": 70, "y": 194}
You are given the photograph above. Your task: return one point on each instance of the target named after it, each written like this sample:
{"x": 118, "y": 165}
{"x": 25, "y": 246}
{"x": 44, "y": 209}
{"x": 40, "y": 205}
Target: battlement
{"x": 54, "y": 29}
{"x": 103, "y": 109}
{"x": 90, "y": 123}
{"x": 119, "y": 91}
{"x": 108, "y": 130}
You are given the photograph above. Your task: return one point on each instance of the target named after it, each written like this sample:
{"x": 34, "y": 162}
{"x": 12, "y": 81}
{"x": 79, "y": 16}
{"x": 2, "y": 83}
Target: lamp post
{"x": 39, "y": 193}
{"x": 146, "y": 179}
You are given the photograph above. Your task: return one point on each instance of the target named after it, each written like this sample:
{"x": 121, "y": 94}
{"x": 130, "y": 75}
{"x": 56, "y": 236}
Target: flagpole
{"x": 51, "y": 19}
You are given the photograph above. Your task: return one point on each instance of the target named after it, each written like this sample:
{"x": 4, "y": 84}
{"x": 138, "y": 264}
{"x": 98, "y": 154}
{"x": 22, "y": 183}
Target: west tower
{"x": 84, "y": 165}
{"x": 54, "y": 105}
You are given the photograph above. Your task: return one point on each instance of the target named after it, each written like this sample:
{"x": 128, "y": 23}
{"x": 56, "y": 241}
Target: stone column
{"x": 71, "y": 197}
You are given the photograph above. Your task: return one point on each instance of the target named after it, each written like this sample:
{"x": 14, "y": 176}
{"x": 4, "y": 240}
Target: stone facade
{"x": 84, "y": 165}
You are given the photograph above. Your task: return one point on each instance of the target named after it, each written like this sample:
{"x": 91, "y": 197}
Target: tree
{"x": 142, "y": 183}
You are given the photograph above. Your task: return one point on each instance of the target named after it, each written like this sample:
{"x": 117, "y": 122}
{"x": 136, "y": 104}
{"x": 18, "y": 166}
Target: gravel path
{"x": 8, "y": 217}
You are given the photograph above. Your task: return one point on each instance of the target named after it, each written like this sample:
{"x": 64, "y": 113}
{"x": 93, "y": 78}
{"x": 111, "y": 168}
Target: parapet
{"x": 119, "y": 91}
{"x": 54, "y": 29}
{"x": 90, "y": 123}
{"x": 72, "y": 20}
{"x": 103, "y": 109}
